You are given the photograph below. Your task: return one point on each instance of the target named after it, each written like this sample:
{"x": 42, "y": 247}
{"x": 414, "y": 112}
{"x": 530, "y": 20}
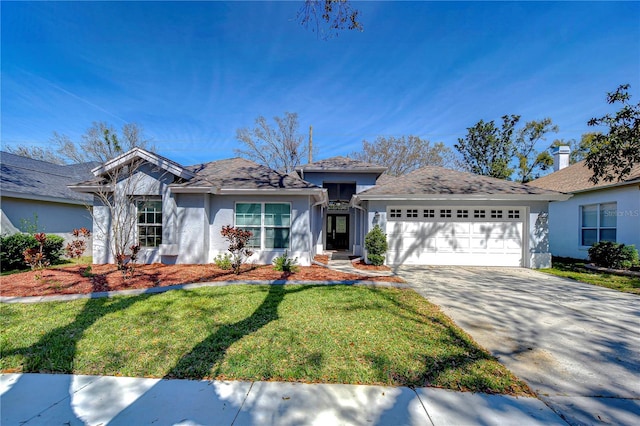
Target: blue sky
{"x": 192, "y": 73}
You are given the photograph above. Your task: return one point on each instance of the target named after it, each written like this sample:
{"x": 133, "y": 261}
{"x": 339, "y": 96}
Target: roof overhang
{"x": 209, "y": 189}
{"x": 612, "y": 185}
{"x": 356, "y": 199}
{"x": 376, "y": 170}
{"x": 157, "y": 160}
{"x": 24, "y": 196}
{"x": 91, "y": 189}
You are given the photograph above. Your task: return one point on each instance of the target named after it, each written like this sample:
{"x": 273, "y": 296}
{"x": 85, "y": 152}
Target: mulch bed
{"x": 361, "y": 265}
{"x": 76, "y": 279}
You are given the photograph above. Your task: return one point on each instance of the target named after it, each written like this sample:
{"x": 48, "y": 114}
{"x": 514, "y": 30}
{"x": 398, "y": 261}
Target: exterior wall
{"x": 222, "y": 209}
{"x": 53, "y": 218}
{"x": 147, "y": 181}
{"x": 535, "y": 242}
{"x": 191, "y": 230}
{"x": 564, "y": 219}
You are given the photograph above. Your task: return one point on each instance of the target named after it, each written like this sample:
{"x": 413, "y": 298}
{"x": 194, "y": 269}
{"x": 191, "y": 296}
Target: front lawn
{"x": 307, "y": 333}
{"x": 574, "y": 269}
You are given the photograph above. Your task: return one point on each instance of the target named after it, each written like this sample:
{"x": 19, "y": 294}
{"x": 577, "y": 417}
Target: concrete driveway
{"x": 576, "y": 345}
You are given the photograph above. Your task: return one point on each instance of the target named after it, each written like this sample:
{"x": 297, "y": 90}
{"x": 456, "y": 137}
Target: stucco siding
{"x": 191, "y": 229}
{"x": 564, "y": 219}
{"x": 53, "y": 218}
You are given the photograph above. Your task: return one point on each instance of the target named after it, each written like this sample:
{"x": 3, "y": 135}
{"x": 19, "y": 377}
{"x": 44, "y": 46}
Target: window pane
{"x": 332, "y": 190}
{"x": 277, "y": 215}
{"x": 608, "y": 216}
{"x": 589, "y": 237}
{"x": 589, "y": 216}
{"x": 608, "y": 235}
{"x": 254, "y": 241}
{"x": 276, "y": 238}
{"x": 346, "y": 191}
{"x": 248, "y": 214}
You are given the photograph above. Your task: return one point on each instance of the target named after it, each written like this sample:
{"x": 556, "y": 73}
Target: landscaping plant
{"x": 12, "y": 248}
{"x": 78, "y": 245}
{"x": 223, "y": 261}
{"x": 238, "y": 240}
{"x": 375, "y": 242}
{"x": 613, "y": 255}
{"x": 284, "y": 263}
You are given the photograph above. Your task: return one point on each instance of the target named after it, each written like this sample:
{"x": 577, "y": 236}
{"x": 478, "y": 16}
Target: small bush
{"x": 285, "y": 263}
{"x": 238, "y": 240}
{"x": 613, "y": 255}
{"x": 12, "y": 248}
{"x": 223, "y": 261}
{"x": 375, "y": 242}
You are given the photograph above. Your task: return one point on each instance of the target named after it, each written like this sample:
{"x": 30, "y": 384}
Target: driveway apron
{"x": 576, "y": 345}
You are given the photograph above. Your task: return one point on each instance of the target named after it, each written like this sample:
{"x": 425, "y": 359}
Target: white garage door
{"x": 469, "y": 236}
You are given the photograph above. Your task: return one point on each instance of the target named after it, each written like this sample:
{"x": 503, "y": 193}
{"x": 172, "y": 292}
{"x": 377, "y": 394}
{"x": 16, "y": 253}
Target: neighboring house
{"x": 34, "y": 196}
{"x": 431, "y": 216}
{"x": 607, "y": 211}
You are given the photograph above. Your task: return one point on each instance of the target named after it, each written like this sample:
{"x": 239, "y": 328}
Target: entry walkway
{"x": 46, "y": 399}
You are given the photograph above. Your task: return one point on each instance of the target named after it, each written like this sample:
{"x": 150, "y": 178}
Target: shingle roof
{"x": 575, "y": 178}
{"x": 342, "y": 164}
{"x": 29, "y": 177}
{"x": 438, "y": 181}
{"x": 239, "y": 173}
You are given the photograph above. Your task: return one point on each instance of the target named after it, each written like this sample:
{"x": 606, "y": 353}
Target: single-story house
{"x": 34, "y": 196}
{"x": 431, "y": 216}
{"x": 606, "y": 211}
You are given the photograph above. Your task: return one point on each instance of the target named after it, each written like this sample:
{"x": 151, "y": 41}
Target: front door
{"x": 337, "y": 232}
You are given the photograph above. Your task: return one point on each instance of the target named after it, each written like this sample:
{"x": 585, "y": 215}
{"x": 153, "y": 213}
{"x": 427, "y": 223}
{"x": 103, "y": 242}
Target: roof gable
{"x": 139, "y": 153}
{"x": 575, "y": 178}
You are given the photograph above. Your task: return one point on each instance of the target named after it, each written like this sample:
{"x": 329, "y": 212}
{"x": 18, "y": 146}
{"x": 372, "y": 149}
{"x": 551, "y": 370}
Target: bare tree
{"x": 404, "y": 154}
{"x": 279, "y": 148}
{"x": 328, "y": 17}
{"x": 36, "y": 152}
{"x": 101, "y": 142}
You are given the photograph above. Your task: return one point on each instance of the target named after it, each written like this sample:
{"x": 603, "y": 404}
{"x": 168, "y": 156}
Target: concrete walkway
{"x": 576, "y": 345}
{"x": 45, "y": 399}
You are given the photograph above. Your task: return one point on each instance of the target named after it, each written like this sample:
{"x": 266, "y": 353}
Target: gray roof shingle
{"x": 432, "y": 180}
{"x": 575, "y": 178}
{"x": 342, "y": 164}
{"x": 29, "y": 177}
{"x": 239, "y": 173}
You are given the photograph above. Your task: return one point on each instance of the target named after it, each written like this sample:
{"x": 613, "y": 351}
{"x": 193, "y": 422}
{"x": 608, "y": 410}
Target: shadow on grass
{"x": 197, "y": 364}
{"x": 55, "y": 351}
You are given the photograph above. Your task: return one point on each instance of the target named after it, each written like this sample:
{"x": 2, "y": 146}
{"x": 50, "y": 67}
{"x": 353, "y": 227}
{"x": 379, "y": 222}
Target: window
{"x": 513, "y": 214}
{"x": 429, "y": 213}
{"x": 462, "y": 213}
{"x": 397, "y": 213}
{"x": 149, "y": 222}
{"x": 270, "y": 222}
{"x": 496, "y": 214}
{"x": 479, "y": 214}
{"x": 412, "y": 213}
{"x": 598, "y": 222}
{"x": 339, "y": 191}
{"x": 445, "y": 213}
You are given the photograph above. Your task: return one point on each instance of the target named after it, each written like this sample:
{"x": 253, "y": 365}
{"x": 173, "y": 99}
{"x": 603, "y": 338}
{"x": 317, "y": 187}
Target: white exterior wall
{"x": 191, "y": 230}
{"x": 222, "y": 209}
{"x": 564, "y": 219}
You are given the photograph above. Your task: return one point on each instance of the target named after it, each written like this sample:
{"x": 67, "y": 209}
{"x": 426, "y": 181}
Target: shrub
{"x": 78, "y": 245}
{"x": 238, "y": 240}
{"x": 223, "y": 261}
{"x": 12, "y": 248}
{"x": 284, "y": 263}
{"x": 35, "y": 257}
{"x": 375, "y": 242}
{"x": 613, "y": 255}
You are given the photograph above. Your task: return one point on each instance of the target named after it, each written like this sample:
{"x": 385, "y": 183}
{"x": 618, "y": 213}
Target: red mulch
{"x": 321, "y": 258}
{"x": 361, "y": 265}
{"x": 70, "y": 279}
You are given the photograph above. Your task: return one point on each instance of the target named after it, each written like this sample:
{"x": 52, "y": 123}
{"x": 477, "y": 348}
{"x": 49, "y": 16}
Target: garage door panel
{"x": 456, "y": 242}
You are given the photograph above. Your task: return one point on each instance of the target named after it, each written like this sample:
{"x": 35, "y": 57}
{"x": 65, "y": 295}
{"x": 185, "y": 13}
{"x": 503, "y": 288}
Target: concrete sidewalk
{"x": 48, "y": 399}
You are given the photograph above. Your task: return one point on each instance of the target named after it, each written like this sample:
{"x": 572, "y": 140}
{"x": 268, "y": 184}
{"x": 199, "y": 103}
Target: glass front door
{"x": 337, "y": 232}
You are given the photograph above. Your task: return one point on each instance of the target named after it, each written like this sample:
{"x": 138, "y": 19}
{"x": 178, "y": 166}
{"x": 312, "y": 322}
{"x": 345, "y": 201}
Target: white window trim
{"x": 137, "y": 231}
{"x": 597, "y": 228}
{"x": 263, "y": 227}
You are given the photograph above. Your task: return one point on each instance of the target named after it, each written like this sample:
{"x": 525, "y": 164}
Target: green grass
{"x": 83, "y": 260}
{"x": 330, "y": 334}
{"x": 574, "y": 269}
